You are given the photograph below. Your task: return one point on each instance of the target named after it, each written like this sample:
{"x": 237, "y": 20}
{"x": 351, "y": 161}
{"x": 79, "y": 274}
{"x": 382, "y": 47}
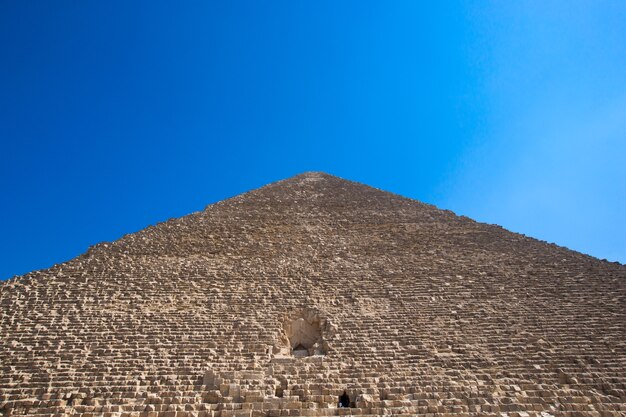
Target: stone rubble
{"x": 274, "y": 302}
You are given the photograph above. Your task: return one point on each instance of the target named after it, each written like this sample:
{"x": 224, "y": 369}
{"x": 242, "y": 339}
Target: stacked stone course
{"x": 412, "y": 310}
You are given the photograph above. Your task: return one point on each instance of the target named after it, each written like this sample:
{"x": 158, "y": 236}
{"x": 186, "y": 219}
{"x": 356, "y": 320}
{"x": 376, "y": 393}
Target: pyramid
{"x": 281, "y": 300}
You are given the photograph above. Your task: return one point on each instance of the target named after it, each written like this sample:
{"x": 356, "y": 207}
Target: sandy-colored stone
{"x": 410, "y": 309}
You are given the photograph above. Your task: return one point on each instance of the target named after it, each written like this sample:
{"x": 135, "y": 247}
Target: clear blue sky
{"x": 115, "y": 115}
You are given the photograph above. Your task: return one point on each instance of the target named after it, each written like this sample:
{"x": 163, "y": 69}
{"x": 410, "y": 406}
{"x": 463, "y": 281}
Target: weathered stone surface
{"x": 410, "y": 309}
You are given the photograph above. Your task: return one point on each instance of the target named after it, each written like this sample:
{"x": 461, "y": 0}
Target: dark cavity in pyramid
{"x": 274, "y": 302}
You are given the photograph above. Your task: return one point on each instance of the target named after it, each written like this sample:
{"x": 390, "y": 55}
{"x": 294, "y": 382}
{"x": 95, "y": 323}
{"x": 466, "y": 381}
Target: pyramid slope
{"x": 411, "y": 309}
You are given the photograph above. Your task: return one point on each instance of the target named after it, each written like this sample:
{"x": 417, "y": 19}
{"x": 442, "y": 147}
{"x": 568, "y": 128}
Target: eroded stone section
{"x": 304, "y": 334}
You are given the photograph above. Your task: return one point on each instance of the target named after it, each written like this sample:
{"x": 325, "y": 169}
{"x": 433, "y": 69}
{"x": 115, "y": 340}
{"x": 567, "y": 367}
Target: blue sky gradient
{"x": 117, "y": 115}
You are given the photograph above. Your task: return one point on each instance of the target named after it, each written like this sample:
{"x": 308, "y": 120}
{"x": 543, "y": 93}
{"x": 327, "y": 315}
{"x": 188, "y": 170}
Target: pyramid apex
{"x": 313, "y": 174}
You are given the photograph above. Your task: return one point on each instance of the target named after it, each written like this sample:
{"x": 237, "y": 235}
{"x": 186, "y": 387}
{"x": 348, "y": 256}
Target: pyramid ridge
{"x": 437, "y": 212}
